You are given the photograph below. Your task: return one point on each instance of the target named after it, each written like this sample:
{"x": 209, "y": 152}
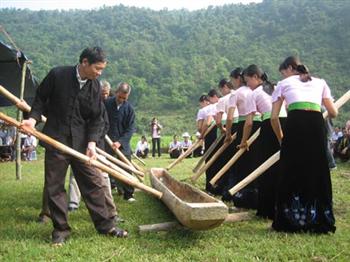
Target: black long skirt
{"x": 210, "y": 172}
{"x": 304, "y": 199}
{"x": 222, "y": 185}
{"x": 268, "y": 181}
{"x": 247, "y": 163}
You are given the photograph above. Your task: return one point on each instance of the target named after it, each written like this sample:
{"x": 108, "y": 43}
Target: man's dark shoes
{"x": 59, "y": 238}
{"x": 43, "y": 219}
{"x": 118, "y": 232}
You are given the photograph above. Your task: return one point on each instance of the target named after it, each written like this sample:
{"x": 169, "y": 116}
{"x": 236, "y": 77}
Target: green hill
{"x": 172, "y": 57}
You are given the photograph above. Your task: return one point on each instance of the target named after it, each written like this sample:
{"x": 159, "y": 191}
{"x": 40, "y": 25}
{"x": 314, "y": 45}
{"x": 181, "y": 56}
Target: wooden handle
{"x": 212, "y": 159}
{"x": 17, "y": 102}
{"x": 185, "y": 154}
{"x": 207, "y": 153}
{"x": 256, "y": 173}
{"x": 117, "y": 151}
{"x": 108, "y": 163}
{"x": 340, "y": 102}
{"x": 118, "y": 162}
{"x": 139, "y": 159}
{"x": 234, "y": 158}
{"x": 67, "y": 150}
{"x": 190, "y": 149}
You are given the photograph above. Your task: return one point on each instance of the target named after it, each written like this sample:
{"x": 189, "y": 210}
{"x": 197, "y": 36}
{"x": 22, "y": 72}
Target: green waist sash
{"x": 308, "y": 106}
{"x": 255, "y": 118}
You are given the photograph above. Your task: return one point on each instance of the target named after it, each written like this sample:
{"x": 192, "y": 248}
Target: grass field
{"x": 22, "y": 239}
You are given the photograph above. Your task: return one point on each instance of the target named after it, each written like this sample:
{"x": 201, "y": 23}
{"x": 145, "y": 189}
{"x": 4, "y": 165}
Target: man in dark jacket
{"x": 121, "y": 117}
{"x": 70, "y": 97}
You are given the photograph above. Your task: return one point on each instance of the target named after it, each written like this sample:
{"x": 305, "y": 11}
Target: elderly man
{"x": 121, "y": 118}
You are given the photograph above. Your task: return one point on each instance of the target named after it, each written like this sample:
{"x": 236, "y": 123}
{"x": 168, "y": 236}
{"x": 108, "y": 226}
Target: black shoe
{"x": 72, "y": 209}
{"x": 59, "y": 238}
{"x": 43, "y": 219}
{"x": 118, "y": 233}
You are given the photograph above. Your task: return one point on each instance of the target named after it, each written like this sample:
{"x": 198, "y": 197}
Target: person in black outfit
{"x": 70, "y": 97}
{"x": 121, "y": 117}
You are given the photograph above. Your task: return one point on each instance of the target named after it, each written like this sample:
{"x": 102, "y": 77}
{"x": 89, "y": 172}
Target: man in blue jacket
{"x": 121, "y": 116}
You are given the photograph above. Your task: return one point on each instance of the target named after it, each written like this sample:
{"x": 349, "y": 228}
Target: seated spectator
{"x": 29, "y": 146}
{"x": 175, "y": 148}
{"x": 341, "y": 148}
{"x": 186, "y": 143}
{"x": 142, "y": 147}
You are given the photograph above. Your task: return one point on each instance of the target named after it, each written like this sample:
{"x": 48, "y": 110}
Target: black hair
{"x": 252, "y": 70}
{"x": 93, "y": 55}
{"x": 222, "y": 83}
{"x": 304, "y": 73}
{"x": 238, "y": 73}
{"x": 290, "y": 61}
{"x": 213, "y": 92}
{"x": 203, "y": 98}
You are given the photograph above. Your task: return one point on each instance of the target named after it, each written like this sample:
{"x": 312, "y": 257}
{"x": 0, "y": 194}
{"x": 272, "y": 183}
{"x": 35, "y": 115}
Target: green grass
{"x": 22, "y": 239}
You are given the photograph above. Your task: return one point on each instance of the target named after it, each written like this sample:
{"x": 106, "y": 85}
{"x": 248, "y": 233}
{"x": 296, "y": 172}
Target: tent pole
{"x": 19, "y": 119}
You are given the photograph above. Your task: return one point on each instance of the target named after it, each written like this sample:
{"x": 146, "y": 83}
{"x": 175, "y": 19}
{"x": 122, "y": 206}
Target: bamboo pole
{"x": 139, "y": 159}
{"x": 274, "y": 158}
{"x": 185, "y": 154}
{"x": 17, "y": 102}
{"x": 67, "y": 150}
{"x": 108, "y": 163}
{"x": 212, "y": 159}
{"x": 234, "y": 158}
{"x": 19, "y": 119}
{"x": 256, "y": 173}
{"x": 190, "y": 149}
{"x": 117, "y": 151}
{"x": 118, "y": 162}
{"x": 340, "y": 102}
{"x": 207, "y": 153}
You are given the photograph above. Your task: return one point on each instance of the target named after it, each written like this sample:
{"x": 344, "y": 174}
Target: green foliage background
{"x": 172, "y": 57}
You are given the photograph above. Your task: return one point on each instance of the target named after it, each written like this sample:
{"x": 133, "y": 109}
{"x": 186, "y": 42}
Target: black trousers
{"x": 90, "y": 185}
{"x": 155, "y": 143}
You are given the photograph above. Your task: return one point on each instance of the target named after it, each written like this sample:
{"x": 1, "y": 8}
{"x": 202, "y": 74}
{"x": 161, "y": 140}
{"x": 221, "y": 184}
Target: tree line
{"x": 172, "y": 57}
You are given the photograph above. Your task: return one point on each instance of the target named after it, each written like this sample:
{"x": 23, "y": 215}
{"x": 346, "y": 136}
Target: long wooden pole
{"x": 119, "y": 162}
{"x": 207, "y": 153}
{"x": 17, "y": 102}
{"x": 67, "y": 150}
{"x": 185, "y": 154}
{"x": 274, "y": 158}
{"x": 234, "y": 158}
{"x": 139, "y": 159}
{"x": 256, "y": 173}
{"x": 190, "y": 149}
{"x": 108, "y": 163}
{"x": 212, "y": 159}
{"x": 121, "y": 155}
{"x": 19, "y": 119}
